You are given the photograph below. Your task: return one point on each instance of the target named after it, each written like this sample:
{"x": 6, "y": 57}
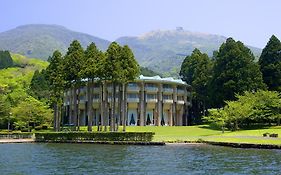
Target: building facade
{"x": 148, "y": 101}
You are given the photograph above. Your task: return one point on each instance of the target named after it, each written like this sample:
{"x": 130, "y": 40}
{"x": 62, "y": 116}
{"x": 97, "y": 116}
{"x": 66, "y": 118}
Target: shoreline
{"x": 225, "y": 144}
{"x": 3, "y": 141}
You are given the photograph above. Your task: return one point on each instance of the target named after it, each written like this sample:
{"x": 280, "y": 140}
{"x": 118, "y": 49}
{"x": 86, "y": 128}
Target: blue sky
{"x": 251, "y": 21}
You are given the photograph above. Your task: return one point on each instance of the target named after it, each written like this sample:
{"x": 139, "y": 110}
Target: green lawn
{"x": 172, "y": 133}
{"x": 260, "y": 140}
{"x": 204, "y": 132}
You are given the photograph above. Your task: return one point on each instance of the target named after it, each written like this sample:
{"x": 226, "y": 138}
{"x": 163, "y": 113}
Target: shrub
{"x": 45, "y": 127}
{"x": 38, "y": 128}
{"x": 95, "y": 136}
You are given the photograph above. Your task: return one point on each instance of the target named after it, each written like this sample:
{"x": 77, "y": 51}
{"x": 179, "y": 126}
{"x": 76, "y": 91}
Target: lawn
{"x": 172, "y": 133}
{"x": 204, "y": 132}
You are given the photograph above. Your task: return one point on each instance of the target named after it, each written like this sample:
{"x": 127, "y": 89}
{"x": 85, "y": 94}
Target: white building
{"x": 149, "y": 101}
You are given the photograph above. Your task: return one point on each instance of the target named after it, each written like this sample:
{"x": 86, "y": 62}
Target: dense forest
{"x": 231, "y": 88}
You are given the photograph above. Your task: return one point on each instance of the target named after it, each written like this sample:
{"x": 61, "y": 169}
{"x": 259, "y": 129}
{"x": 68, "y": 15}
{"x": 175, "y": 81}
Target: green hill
{"x": 40, "y": 41}
{"x": 164, "y": 51}
{"x": 18, "y": 78}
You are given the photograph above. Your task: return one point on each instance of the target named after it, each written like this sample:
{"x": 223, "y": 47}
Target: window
{"x": 167, "y": 97}
{"x": 151, "y": 96}
{"x": 133, "y": 96}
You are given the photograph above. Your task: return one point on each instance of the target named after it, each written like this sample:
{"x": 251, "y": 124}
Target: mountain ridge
{"x": 41, "y": 40}
{"x": 160, "y": 50}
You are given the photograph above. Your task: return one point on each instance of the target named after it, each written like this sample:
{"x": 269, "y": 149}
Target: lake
{"x": 54, "y": 158}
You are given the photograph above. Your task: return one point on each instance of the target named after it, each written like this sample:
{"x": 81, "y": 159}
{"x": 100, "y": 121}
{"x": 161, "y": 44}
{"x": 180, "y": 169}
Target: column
{"x": 170, "y": 119}
{"x": 174, "y": 108}
{"x": 141, "y": 104}
{"x": 159, "y": 105}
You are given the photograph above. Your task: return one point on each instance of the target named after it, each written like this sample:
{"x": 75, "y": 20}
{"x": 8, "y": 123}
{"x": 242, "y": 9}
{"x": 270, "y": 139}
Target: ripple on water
{"x": 120, "y": 159}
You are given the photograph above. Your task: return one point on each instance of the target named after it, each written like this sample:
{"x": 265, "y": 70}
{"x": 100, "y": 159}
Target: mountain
{"x": 40, "y": 40}
{"x": 164, "y": 51}
{"x": 160, "y": 51}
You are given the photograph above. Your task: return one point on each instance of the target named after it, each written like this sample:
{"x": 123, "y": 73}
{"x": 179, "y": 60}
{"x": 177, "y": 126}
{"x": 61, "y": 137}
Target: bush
{"x": 44, "y": 127}
{"x": 38, "y": 128}
{"x": 95, "y": 136}
{"x": 15, "y": 135}
{"x": 25, "y": 130}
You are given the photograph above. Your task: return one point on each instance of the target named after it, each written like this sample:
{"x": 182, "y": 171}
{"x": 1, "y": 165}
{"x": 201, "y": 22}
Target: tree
{"x": 119, "y": 68}
{"x": 261, "y": 107}
{"x": 91, "y": 70}
{"x": 196, "y": 71}
{"x": 5, "y": 60}
{"x": 130, "y": 70}
{"x": 55, "y": 76}
{"x": 39, "y": 86}
{"x": 73, "y": 64}
{"x": 112, "y": 72}
{"x": 234, "y": 72}
{"x": 31, "y": 112}
{"x": 5, "y": 109}
{"x": 270, "y": 62}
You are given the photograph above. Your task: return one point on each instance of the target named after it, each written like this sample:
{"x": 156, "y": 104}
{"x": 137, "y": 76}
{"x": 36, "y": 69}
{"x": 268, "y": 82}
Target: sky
{"x": 250, "y": 21}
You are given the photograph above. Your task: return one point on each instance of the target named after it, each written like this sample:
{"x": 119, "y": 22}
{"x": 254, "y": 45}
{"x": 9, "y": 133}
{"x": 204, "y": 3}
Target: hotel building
{"x": 148, "y": 101}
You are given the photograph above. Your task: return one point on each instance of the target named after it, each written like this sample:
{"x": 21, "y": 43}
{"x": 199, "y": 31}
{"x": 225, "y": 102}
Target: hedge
{"x": 11, "y": 135}
{"x": 94, "y": 136}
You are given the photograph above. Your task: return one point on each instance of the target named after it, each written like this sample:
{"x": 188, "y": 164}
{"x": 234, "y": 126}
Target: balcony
{"x": 83, "y": 90}
{"x": 151, "y": 89}
{"x": 168, "y": 90}
{"x": 96, "y": 90}
{"x": 82, "y": 99}
{"x": 181, "y": 91}
{"x": 133, "y": 89}
{"x": 168, "y": 101}
{"x": 180, "y": 102}
{"x": 96, "y": 100}
{"x": 151, "y": 100}
{"x": 133, "y": 100}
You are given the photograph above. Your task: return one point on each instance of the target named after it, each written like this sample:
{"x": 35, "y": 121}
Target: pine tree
{"x": 270, "y": 63}
{"x": 234, "y": 72}
{"x": 5, "y": 60}
{"x": 91, "y": 70}
{"x": 130, "y": 70}
{"x": 55, "y": 76}
{"x": 113, "y": 73}
{"x": 196, "y": 71}
{"x": 39, "y": 86}
{"x": 73, "y": 64}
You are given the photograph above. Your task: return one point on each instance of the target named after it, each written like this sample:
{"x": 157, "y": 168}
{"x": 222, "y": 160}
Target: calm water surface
{"x": 108, "y": 159}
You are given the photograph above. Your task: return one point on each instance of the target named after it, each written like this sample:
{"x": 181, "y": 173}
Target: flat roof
{"x": 159, "y": 79}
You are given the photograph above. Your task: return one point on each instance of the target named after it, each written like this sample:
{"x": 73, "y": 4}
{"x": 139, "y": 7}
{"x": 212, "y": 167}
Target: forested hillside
{"x": 16, "y": 105}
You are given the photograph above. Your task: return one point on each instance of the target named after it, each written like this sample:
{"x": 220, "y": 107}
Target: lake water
{"x": 117, "y": 159}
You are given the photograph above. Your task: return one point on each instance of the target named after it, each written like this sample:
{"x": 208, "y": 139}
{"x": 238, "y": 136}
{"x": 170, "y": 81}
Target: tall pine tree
{"x": 91, "y": 70}
{"x": 234, "y": 72}
{"x": 73, "y": 64}
{"x": 55, "y": 76}
{"x": 196, "y": 71}
{"x": 270, "y": 63}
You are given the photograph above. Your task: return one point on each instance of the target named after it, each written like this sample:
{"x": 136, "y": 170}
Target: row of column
{"x": 174, "y": 116}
